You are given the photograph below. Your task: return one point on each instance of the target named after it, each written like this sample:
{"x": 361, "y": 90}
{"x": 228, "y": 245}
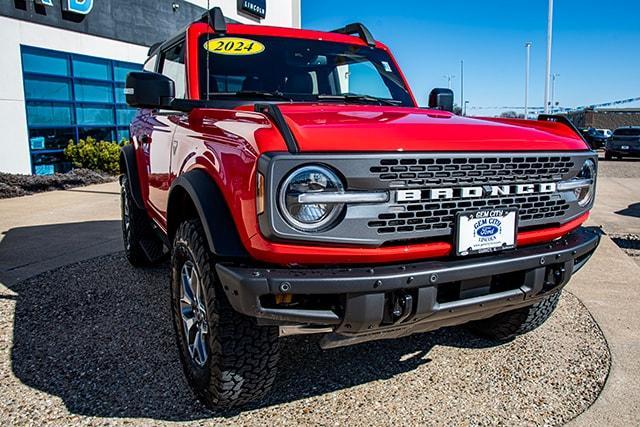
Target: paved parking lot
{"x": 91, "y": 342}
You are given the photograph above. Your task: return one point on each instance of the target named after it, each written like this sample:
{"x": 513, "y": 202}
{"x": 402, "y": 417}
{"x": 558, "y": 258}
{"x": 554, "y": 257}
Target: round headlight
{"x": 310, "y": 216}
{"x": 585, "y": 194}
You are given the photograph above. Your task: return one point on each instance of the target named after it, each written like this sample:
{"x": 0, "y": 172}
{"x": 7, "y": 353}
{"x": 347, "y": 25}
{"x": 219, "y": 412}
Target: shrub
{"x": 102, "y": 156}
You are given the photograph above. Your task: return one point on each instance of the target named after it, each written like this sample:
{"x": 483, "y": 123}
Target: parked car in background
{"x": 606, "y": 132}
{"x": 597, "y": 138}
{"x": 625, "y": 142}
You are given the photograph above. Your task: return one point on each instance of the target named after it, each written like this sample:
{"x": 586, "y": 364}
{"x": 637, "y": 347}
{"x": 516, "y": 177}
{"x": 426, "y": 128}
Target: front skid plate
{"x": 364, "y": 288}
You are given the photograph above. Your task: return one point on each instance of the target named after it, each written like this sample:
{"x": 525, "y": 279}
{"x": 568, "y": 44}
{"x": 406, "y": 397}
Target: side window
{"x": 173, "y": 67}
{"x": 150, "y": 65}
{"x": 362, "y": 78}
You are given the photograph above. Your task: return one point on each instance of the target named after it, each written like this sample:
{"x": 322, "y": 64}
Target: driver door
{"x": 160, "y": 144}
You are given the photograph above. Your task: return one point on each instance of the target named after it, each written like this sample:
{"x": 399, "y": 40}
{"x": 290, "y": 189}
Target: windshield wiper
{"x": 352, "y": 97}
{"x": 254, "y": 94}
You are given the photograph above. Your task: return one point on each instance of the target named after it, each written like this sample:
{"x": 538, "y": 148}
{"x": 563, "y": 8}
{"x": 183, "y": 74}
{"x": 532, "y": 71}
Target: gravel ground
{"x": 13, "y": 185}
{"x": 627, "y": 168}
{"x": 92, "y": 343}
{"x": 630, "y": 243}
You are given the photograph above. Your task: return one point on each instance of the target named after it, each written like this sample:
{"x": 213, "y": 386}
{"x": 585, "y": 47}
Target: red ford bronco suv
{"x": 299, "y": 189}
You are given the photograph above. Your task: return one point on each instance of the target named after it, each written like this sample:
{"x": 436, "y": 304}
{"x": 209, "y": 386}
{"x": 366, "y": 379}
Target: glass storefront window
{"x": 99, "y": 134}
{"x": 49, "y": 88}
{"x": 123, "y": 133}
{"x": 72, "y": 97}
{"x": 49, "y": 114}
{"x": 121, "y": 70}
{"x": 51, "y": 139}
{"x": 91, "y": 68}
{"x": 94, "y": 92}
{"x": 48, "y": 163}
{"x": 94, "y": 115}
{"x": 120, "y": 96}
{"x": 47, "y": 62}
{"x": 125, "y": 116}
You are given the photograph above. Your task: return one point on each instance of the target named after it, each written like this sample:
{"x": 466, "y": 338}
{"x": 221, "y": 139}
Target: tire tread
{"x": 140, "y": 228}
{"x": 243, "y": 356}
{"x": 508, "y": 325}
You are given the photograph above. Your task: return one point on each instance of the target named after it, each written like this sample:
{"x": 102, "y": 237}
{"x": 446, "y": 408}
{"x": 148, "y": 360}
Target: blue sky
{"x": 596, "y": 47}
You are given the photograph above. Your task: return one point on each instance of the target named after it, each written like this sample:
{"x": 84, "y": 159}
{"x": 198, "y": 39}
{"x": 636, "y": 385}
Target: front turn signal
{"x": 260, "y": 194}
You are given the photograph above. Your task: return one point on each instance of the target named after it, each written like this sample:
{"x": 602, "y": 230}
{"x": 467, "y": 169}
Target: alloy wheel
{"x": 193, "y": 313}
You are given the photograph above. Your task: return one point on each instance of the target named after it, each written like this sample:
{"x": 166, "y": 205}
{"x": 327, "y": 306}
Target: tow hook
{"x": 559, "y": 275}
{"x": 399, "y": 308}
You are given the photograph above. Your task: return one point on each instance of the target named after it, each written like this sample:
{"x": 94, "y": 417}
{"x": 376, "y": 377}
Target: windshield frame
{"x": 199, "y": 54}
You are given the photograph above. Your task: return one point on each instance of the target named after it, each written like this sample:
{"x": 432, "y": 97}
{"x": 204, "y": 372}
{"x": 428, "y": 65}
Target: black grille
{"x": 378, "y": 224}
{"x": 441, "y": 215}
{"x": 427, "y": 172}
{"x": 410, "y": 217}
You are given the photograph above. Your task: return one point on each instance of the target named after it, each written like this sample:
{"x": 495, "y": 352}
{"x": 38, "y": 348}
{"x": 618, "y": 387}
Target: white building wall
{"x": 280, "y": 13}
{"x": 14, "y": 144}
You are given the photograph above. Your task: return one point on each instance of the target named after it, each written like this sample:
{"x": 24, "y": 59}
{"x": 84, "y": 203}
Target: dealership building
{"x": 605, "y": 118}
{"x": 64, "y": 62}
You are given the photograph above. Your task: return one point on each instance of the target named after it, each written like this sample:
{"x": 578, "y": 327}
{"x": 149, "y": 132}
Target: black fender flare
{"x": 212, "y": 210}
{"x": 129, "y": 167}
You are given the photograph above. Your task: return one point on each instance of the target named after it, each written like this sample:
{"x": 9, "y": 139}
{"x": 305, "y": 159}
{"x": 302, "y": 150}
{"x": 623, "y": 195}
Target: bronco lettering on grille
{"x": 474, "y": 192}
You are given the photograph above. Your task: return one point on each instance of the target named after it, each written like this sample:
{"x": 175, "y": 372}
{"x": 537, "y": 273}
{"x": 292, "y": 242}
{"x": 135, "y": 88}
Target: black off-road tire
{"x": 505, "y": 326}
{"x": 242, "y": 356}
{"x": 138, "y": 229}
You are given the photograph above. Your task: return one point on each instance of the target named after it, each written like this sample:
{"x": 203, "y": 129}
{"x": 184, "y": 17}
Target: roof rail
{"x": 360, "y": 30}
{"x": 154, "y": 47}
{"x": 215, "y": 19}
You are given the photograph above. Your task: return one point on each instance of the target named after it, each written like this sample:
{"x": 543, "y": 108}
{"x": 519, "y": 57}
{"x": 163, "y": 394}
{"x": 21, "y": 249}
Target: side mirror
{"x": 441, "y": 99}
{"x": 149, "y": 90}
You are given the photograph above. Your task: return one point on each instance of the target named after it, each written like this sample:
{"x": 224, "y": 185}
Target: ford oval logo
{"x": 487, "y": 231}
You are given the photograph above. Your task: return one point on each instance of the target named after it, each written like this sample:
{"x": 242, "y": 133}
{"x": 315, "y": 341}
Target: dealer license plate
{"x": 624, "y": 147}
{"x": 486, "y": 231}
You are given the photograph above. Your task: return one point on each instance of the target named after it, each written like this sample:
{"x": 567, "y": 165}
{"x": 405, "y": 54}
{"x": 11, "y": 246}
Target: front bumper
{"x": 395, "y": 300}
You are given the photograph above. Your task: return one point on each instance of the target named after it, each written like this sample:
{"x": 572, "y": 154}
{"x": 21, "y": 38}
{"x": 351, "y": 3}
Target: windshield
{"x": 627, "y": 132}
{"x": 299, "y": 70}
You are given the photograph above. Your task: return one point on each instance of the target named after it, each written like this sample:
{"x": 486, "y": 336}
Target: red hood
{"x": 322, "y": 128}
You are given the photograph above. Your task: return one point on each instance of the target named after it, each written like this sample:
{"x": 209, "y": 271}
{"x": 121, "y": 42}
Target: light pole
{"x": 547, "y": 76}
{"x": 462, "y": 86}
{"x": 527, "y": 46}
{"x": 449, "y": 78}
{"x": 554, "y": 76}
